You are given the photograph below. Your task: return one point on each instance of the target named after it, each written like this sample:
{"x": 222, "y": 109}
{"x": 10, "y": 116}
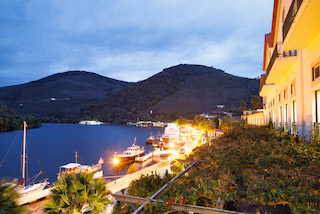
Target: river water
{"x": 56, "y": 144}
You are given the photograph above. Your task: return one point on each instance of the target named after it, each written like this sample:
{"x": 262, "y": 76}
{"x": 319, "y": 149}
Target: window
{"x": 280, "y": 97}
{"x": 315, "y": 72}
{"x": 317, "y": 106}
{"x": 280, "y": 114}
{"x": 293, "y": 88}
{"x": 285, "y": 94}
{"x": 286, "y": 113}
{"x": 273, "y": 102}
{"x": 294, "y": 111}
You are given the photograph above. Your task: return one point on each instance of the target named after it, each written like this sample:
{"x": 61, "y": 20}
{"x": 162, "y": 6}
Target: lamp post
{"x": 115, "y": 161}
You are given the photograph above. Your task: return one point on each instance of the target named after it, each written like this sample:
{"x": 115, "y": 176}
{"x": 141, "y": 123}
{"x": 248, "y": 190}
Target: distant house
{"x": 216, "y": 133}
{"x": 253, "y": 117}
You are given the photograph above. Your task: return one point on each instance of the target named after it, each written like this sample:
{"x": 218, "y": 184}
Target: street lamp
{"x": 115, "y": 161}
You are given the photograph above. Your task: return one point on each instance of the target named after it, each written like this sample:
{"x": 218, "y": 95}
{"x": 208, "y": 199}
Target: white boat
{"x": 90, "y": 122}
{"x": 171, "y": 132}
{"x": 23, "y": 186}
{"x": 130, "y": 153}
{"x": 78, "y": 168}
{"x": 150, "y": 139}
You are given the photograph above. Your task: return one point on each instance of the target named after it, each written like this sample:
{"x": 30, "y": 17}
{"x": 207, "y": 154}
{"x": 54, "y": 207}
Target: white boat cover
{"x": 70, "y": 165}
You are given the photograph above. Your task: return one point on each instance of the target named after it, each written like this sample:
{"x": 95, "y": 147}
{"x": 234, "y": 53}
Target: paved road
{"x": 124, "y": 181}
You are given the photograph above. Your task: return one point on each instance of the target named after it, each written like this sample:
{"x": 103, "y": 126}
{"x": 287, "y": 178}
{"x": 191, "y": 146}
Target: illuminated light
{"x": 171, "y": 145}
{"x": 116, "y": 161}
{"x": 174, "y": 153}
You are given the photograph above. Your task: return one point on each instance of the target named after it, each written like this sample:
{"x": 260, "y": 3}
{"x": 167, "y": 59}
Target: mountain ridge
{"x": 62, "y": 92}
{"x": 179, "y": 89}
{"x": 164, "y": 92}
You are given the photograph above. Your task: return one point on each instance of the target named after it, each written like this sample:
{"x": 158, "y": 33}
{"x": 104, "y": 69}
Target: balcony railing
{"x": 262, "y": 81}
{"x": 294, "y": 8}
{"x": 273, "y": 59}
{"x": 294, "y": 128}
{"x": 279, "y": 54}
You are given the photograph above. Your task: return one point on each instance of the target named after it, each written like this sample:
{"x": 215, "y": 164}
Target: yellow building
{"x": 253, "y": 117}
{"x": 291, "y": 85}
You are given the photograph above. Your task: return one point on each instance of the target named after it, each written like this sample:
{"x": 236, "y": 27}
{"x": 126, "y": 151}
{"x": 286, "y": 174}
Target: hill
{"x": 60, "y": 94}
{"x": 181, "y": 88}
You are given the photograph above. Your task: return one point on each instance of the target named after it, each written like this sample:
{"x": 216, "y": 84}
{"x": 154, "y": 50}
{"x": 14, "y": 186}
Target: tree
{"x": 8, "y": 198}
{"x": 181, "y": 121}
{"x": 132, "y": 168}
{"x": 78, "y": 193}
{"x": 243, "y": 105}
{"x": 255, "y": 101}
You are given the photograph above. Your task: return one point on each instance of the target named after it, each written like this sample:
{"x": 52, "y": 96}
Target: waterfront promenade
{"x": 124, "y": 182}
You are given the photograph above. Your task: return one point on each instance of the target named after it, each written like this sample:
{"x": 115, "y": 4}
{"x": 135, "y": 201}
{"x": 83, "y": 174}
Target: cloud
{"x": 130, "y": 40}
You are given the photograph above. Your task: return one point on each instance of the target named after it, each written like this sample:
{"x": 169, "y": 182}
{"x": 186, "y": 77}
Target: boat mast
{"x": 76, "y": 156}
{"x": 24, "y": 152}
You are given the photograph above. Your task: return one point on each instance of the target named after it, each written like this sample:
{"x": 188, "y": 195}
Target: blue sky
{"x": 130, "y": 40}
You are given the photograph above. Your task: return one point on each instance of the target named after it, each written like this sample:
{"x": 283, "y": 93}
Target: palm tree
{"x": 78, "y": 193}
{"x": 8, "y": 199}
{"x": 255, "y": 101}
{"x": 243, "y": 105}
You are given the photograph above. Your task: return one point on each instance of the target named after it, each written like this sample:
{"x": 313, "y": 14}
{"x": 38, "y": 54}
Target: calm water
{"x": 55, "y": 145}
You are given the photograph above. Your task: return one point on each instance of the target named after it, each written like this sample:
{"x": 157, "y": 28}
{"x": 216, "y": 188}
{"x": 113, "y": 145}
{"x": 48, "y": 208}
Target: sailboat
{"x": 23, "y": 187}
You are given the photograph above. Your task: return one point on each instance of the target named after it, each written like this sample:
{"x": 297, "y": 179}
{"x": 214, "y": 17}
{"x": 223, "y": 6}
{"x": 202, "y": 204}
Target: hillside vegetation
{"x": 62, "y": 94}
{"x": 11, "y": 120}
{"x": 176, "y": 91}
{"x": 179, "y": 89}
{"x": 249, "y": 169}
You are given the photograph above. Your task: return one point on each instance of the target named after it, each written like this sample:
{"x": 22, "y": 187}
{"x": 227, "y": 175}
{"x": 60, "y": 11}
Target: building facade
{"x": 290, "y": 87}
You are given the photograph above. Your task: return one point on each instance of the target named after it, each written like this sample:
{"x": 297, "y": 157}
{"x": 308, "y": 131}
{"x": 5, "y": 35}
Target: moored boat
{"x": 25, "y": 186}
{"x": 130, "y": 153}
{"x": 78, "y": 168}
{"x": 150, "y": 139}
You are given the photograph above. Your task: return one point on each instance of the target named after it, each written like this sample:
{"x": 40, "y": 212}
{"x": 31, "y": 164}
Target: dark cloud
{"x": 130, "y": 40}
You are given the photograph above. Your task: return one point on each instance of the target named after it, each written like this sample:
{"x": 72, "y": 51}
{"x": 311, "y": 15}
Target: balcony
{"x": 280, "y": 63}
{"x": 301, "y": 25}
{"x": 262, "y": 81}
{"x": 294, "y": 8}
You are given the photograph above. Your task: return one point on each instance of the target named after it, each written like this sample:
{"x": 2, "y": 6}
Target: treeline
{"x": 11, "y": 120}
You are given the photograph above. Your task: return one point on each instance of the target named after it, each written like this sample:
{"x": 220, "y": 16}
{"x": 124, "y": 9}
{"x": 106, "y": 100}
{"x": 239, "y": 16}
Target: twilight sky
{"x": 130, "y": 40}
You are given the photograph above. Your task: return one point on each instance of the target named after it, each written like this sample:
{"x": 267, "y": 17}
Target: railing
{"x": 286, "y": 127}
{"x": 262, "y": 81}
{"x": 273, "y": 59}
{"x": 316, "y": 127}
{"x": 294, "y": 128}
{"x": 280, "y": 125}
{"x": 277, "y": 53}
{"x": 294, "y": 8}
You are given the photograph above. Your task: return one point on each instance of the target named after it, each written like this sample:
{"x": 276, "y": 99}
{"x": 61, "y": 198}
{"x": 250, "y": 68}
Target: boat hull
{"x": 128, "y": 158}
